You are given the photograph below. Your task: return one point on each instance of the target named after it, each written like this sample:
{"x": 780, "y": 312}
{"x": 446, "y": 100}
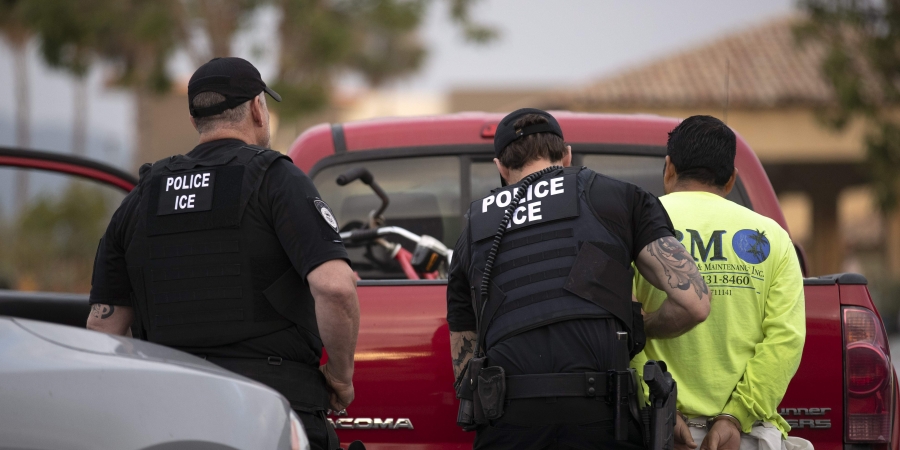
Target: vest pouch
{"x": 604, "y": 281}
{"x": 492, "y": 391}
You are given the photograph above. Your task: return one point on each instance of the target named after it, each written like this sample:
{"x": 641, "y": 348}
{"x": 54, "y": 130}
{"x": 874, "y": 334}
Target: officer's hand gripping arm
{"x": 111, "y": 319}
{"x": 333, "y": 287}
{"x": 669, "y": 267}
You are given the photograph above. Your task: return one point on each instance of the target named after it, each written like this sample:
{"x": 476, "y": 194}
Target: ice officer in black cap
{"x": 539, "y": 296}
{"x": 227, "y": 252}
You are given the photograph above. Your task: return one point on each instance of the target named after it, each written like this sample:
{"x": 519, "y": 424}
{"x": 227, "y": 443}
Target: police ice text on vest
{"x": 531, "y": 211}
{"x": 184, "y": 182}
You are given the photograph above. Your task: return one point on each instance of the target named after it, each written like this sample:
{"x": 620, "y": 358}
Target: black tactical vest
{"x": 556, "y": 262}
{"x": 201, "y": 272}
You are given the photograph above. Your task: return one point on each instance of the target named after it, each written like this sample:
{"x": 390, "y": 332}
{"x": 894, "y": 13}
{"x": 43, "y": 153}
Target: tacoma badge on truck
{"x": 363, "y": 423}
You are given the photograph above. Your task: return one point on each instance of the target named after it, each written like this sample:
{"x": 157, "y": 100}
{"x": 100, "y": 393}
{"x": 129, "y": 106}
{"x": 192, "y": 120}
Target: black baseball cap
{"x": 507, "y": 133}
{"x": 235, "y": 78}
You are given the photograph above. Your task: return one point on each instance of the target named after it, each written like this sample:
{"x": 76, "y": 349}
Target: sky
{"x": 541, "y": 44}
{"x": 546, "y": 43}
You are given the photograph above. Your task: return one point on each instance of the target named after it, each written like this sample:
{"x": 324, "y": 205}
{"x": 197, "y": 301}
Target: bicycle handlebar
{"x": 360, "y": 173}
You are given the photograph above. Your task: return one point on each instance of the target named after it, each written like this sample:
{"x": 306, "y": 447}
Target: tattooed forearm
{"x": 101, "y": 311}
{"x": 462, "y": 347}
{"x": 680, "y": 269}
{"x": 110, "y": 319}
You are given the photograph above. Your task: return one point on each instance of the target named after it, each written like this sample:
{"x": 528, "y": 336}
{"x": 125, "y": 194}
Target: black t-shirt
{"x": 571, "y": 346}
{"x": 281, "y": 204}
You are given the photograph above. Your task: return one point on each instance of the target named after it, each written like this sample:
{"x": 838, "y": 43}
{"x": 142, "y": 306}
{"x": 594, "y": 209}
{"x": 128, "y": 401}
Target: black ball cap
{"x": 234, "y": 78}
{"x": 507, "y": 132}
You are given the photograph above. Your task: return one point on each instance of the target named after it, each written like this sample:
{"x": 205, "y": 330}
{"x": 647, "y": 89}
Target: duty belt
{"x": 587, "y": 384}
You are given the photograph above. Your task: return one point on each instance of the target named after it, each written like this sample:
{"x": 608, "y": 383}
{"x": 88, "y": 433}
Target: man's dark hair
{"x": 702, "y": 148}
{"x": 533, "y": 146}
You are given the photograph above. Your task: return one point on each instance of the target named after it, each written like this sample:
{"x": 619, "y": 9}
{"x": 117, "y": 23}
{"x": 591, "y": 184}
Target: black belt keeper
{"x": 302, "y": 385}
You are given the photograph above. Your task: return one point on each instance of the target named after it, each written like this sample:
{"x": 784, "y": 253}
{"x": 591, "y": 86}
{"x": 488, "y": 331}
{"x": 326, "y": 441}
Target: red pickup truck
{"x": 843, "y": 397}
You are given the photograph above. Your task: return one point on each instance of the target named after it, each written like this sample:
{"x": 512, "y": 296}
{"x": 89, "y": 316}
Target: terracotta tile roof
{"x": 767, "y": 69}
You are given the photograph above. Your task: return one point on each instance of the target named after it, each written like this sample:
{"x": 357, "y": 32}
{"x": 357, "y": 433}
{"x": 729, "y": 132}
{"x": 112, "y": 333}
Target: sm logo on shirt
{"x": 751, "y": 246}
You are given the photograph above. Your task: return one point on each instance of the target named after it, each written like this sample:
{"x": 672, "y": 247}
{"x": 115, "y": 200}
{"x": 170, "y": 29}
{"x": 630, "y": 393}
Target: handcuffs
{"x": 710, "y": 421}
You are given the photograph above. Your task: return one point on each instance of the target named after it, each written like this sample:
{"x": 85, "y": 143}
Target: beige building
{"x": 768, "y": 89}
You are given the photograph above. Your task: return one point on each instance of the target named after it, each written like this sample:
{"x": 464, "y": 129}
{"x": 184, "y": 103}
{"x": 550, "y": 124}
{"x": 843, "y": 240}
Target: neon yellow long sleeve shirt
{"x": 741, "y": 359}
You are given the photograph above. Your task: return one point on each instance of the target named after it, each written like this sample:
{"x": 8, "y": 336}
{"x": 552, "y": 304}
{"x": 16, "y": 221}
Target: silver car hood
{"x": 67, "y": 387}
{"x": 105, "y": 344}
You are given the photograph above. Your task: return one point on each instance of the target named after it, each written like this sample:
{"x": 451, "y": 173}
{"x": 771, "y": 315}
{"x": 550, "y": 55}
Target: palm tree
{"x": 15, "y": 32}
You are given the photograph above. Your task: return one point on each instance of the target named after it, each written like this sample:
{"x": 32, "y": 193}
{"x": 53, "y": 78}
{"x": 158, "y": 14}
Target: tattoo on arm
{"x": 462, "y": 347}
{"x": 679, "y": 266}
{"x": 101, "y": 311}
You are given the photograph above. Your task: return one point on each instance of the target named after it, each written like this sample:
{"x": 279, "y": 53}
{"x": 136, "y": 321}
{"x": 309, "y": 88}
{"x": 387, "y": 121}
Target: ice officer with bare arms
{"x": 539, "y": 295}
{"x": 227, "y": 252}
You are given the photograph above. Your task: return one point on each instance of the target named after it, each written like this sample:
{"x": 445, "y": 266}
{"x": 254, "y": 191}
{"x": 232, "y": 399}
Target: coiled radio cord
{"x": 495, "y": 246}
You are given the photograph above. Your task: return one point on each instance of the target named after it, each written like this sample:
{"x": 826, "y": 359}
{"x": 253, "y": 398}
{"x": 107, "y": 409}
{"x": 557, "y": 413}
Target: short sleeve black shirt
{"x": 280, "y": 202}
{"x": 628, "y": 211}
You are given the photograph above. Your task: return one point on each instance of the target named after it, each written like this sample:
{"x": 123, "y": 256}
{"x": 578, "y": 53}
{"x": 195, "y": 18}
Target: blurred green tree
{"x": 861, "y": 40}
{"x": 55, "y": 239}
{"x": 16, "y": 32}
{"x": 68, "y": 33}
{"x": 136, "y": 36}
{"x": 320, "y": 40}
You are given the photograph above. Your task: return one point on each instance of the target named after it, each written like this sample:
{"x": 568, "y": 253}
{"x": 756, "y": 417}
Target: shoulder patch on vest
{"x": 325, "y": 212}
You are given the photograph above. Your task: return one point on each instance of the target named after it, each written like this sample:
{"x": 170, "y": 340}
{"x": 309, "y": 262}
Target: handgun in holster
{"x": 659, "y": 416}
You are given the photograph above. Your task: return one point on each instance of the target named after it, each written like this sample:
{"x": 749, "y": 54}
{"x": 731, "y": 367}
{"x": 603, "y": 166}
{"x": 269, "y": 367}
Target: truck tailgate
{"x": 814, "y": 403}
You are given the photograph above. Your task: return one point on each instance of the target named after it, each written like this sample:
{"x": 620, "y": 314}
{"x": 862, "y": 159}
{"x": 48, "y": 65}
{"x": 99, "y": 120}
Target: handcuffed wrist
{"x": 724, "y": 416}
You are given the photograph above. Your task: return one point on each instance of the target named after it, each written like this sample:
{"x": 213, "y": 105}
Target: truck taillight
{"x": 868, "y": 383}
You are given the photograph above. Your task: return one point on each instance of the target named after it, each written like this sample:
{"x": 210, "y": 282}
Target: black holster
{"x": 469, "y": 415}
{"x": 482, "y": 394}
{"x": 491, "y": 391}
{"x": 659, "y": 416}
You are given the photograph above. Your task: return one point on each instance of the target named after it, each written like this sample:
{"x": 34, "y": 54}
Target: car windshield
{"x": 429, "y": 195}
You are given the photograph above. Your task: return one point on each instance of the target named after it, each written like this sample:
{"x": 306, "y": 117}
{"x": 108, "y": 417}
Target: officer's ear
{"x": 730, "y": 184}
{"x": 566, "y": 161}
{"x": 194, "y": 123}
{"x": 256, "y": 111}
{"x": 504, "y": 171}
{"x": 670, "y": 176}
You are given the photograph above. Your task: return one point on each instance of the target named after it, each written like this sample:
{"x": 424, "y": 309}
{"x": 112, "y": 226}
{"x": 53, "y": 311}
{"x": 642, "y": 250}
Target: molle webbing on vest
{"x": 534, "y": 239}
{"x": 185, "y": 272}
{"x": 535, "y": 258}
{"x": 227, "y": 315}
{"x": 197, "y": 295}
{"x": 534, "y": 278}
{"x": 530, "y": 300}
{"x": 188, "y": 249}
